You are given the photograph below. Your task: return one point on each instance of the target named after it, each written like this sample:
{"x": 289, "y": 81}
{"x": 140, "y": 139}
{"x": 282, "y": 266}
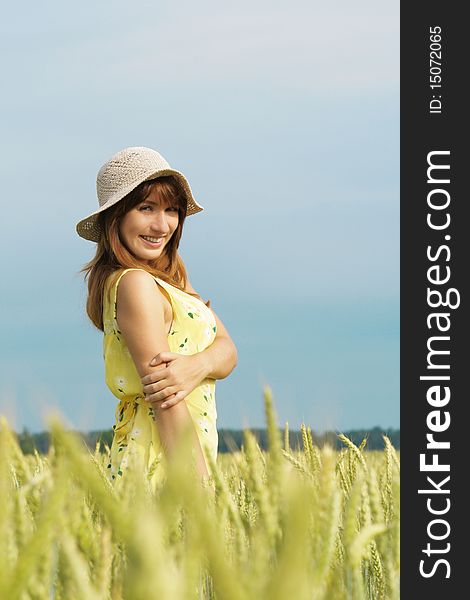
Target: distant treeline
{"x": 230, "y": 439}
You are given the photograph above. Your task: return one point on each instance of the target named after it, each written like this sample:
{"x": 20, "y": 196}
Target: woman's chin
{"x": 149, "y": 258}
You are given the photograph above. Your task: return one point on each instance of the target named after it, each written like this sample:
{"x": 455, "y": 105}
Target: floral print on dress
{"x": 135, "y": 433}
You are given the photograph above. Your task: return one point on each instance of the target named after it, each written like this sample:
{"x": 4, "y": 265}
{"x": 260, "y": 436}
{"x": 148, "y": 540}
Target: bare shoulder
{"x": 137, "y": 288}
{"x": 135, "y": 277}
{"x": 140, "y": 315}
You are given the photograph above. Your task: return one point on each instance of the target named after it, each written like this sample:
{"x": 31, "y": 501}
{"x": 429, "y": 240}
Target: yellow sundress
{"x": 136, "y": 443}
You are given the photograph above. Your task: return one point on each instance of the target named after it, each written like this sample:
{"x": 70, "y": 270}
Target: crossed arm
{"x": 179, "y": 374}
{"x": 140, "y": 316}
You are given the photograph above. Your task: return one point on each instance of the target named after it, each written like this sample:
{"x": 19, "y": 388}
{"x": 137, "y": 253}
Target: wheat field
{"x": 283, "y": 524}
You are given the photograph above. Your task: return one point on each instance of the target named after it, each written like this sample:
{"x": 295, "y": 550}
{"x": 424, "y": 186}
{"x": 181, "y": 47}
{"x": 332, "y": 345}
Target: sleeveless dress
{"x": 136, "y": 443}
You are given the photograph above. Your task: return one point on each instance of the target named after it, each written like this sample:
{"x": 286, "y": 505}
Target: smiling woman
{"x": 146, "y": 228}
{"x": 157, "y": 330}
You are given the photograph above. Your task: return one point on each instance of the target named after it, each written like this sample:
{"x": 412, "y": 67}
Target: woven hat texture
{"x": 122, "y": 174}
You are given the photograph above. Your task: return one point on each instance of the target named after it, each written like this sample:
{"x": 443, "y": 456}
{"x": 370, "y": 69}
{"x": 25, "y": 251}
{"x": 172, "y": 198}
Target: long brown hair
{"x": 112, "y": 256}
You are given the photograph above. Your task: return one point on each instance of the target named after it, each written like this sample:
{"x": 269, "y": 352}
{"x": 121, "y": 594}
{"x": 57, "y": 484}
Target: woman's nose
{"x": 160, "y": 222}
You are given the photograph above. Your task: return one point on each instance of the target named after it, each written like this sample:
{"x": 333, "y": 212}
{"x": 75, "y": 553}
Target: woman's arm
{"x": 221, "y": 357}
{"x": 176, "y": 375}
{"x": 185, "y": 372}
{"x": 140, "y": 316}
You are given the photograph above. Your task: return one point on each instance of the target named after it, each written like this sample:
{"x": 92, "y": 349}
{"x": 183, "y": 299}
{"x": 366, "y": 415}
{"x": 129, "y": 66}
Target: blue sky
{"x": 284, "y": 117}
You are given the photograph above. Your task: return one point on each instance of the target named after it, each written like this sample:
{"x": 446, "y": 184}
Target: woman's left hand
{"x": 178, "y": 376}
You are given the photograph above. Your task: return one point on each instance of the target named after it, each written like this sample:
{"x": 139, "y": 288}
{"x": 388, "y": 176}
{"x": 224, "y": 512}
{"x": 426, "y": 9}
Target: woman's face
{"x": 147, "y": 228}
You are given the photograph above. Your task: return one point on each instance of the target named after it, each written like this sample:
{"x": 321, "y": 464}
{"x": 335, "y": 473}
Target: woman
{"x": 158, "y": 332}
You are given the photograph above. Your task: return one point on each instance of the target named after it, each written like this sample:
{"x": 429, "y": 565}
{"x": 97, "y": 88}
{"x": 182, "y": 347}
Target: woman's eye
{"x": 147, "y": 207}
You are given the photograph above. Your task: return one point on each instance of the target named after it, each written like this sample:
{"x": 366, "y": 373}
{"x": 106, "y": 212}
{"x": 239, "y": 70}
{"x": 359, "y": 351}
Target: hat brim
{"x": 88, "y": 227}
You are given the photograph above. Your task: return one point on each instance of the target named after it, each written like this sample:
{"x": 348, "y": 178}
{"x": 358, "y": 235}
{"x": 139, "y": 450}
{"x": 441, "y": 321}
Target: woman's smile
{"x": 153, "y": 242}
{"x": 146, "y": 229}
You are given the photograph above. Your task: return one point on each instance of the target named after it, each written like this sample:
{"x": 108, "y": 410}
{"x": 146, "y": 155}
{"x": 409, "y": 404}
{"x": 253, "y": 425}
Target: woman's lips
{"x": 151, "y": 243}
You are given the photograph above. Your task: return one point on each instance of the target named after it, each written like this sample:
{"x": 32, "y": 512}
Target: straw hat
{"x": 122, "y": 174}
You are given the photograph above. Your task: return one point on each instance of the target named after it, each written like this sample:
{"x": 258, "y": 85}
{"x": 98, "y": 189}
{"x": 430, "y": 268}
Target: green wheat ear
{"x": 308, "y": 522}
{"x": 274, "y": 441}
{"x": 286, "y": 438}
